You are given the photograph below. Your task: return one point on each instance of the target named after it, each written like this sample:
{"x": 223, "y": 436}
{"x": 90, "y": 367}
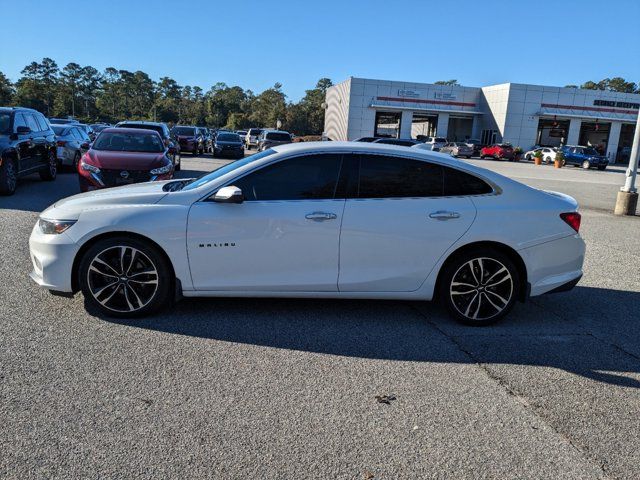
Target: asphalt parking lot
{"x": 237, "y": 388}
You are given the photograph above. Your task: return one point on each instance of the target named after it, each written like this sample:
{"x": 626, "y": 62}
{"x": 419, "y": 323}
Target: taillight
{"x": 572, "y": 219}
{"x": 61, "y": 143}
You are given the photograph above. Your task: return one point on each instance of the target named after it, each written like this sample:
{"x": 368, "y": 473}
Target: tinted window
{"x": 42, "y": 122}
{"x": 18, "y": 121}
{"x": 31, "y": 122}
{"x": 228, "y": 137}
{"x": 389, "y": 177}
{"x": 299, "y": 178}
{"x": 184, "y": 131}
{"x": 458, "y": 183}
{"x": 155, "y": 128}
{"x": 279, "y": 137}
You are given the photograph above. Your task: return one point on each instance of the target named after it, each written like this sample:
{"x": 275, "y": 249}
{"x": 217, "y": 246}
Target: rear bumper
{"x": 555, "y": 265}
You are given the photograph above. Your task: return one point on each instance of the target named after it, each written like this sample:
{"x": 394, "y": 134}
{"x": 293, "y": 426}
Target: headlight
{"x": 54, "y": 227}
{"x": 89, "y": 168}
{"x": 161, "y": 170}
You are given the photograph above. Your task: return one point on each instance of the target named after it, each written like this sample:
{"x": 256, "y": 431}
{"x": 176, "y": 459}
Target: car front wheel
{"x": 479, "y": 287}
{"x": 586, "y": 165}
{"x": 122, "y": 277}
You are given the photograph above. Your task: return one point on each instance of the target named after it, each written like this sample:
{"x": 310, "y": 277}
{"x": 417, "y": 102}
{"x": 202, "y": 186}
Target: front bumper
{"x": 52, "y": 257}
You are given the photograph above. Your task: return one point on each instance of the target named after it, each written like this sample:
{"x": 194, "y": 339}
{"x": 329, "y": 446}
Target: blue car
{"x": 586, "y": 157}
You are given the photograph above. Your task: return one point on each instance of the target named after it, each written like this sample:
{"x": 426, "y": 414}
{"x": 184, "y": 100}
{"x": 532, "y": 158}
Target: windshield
{"x": 58, "y": 130}
{"x": 128, "y": 142}
{"x": 155, "y": 128}
{"x": 440, "y": 140}
{"x": 228, "y": 137}
{"x": 229, "y": 167}
{"x": 184, "y": 131}
{"x": 5, "y": 120}
{"x": 279, "y": 137}
{"x": 99, "y": 128}
{"x": 255, "y": 131}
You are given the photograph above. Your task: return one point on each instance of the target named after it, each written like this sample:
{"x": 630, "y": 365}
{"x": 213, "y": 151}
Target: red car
{"x": 498, "y": 151}
{"x": 120, "y": 156}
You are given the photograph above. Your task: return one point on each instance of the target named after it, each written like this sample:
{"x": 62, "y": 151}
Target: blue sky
{"x": 255, "y": 44}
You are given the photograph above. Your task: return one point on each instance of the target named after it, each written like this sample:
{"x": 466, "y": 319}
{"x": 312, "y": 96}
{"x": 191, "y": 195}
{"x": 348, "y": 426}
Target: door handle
{"x": 320, "y": 216}
{"x": 444, "y": 215}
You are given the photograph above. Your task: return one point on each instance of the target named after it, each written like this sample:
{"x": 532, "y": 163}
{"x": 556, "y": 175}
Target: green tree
{"x": 269, "y": 107}
{"x": 446, "y": 82}
{"x": 6, "y": 90}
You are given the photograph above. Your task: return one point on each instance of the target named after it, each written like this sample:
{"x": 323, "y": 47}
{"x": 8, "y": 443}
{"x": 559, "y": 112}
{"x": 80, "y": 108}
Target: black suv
{"x": 27, "y": 145}
{"x": 170, "y": 141}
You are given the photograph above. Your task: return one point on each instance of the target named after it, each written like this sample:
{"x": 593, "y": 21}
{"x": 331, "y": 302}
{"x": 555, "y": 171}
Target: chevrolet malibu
{"x": 326, "y": 219}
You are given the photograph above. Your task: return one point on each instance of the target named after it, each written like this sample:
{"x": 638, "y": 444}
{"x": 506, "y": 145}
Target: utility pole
{"x": 627, "y": 200}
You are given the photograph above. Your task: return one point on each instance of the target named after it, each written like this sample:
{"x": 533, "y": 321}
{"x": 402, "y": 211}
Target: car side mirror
{"x": 23, "y": 130}
{"x": 229, "y": 194}
{"x": 85, "y": 146}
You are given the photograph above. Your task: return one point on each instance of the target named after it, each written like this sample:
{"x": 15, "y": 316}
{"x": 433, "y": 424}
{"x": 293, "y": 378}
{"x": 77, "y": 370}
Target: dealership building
{"x": 523, "y": 115}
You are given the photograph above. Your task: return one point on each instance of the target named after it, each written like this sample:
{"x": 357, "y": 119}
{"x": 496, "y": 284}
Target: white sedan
{"x": 548, "y": 154}
{"x": 325, "y": 219}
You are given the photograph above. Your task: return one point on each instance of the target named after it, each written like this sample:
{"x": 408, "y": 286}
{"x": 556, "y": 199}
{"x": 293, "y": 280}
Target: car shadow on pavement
{"x": 578, "y": 331}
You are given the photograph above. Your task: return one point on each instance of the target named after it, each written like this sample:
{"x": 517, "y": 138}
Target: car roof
{"x": 128, "y": 130}
{"x": 17, "y": 109}
{"x": 140, "y": 122}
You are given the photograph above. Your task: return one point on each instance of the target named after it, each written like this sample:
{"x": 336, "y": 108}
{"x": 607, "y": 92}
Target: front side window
{"x": 31, "y": 122}
{"x": 18, "y": 121}
{"x": 42, "y": 122}
{"x": 394, "y": 177}
{"x": 309, "y": 177}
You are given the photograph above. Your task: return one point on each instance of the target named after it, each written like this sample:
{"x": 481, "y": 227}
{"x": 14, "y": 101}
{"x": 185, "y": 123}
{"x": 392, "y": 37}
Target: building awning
{"x": 421, "y": 108}
{"x": 588, "y": 113}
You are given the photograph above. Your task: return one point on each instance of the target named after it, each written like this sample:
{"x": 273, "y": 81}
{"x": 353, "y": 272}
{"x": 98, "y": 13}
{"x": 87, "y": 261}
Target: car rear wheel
{"x": 123, "y": 277}
{"x": 479, "y": 287}
{"x": 586, "y": 165}
{"x": 8, "y": 176}
{"x": 50, "y": 170}
{"x": 76, "y": 161}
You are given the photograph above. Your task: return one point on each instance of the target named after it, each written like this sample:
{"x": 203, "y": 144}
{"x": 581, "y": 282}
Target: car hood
{"x": 235, "y": 144}
{"x": 70, "y": 208}
{"x": 126, "y": 160}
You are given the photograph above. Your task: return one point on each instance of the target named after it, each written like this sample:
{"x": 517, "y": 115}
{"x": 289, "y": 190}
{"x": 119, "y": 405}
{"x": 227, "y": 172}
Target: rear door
{"x": 397, "y": 223}
{"x": 25, "y": 145}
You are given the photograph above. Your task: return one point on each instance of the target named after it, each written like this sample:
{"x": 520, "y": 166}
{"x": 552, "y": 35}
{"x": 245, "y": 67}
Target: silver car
{"x": 457, "y": 149}
{"x": 71, "y": 143}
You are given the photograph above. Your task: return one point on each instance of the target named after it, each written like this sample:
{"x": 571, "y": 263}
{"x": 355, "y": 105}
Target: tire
{"x": 586, "y": 165}
{"x": 177, "y": 163}
{"x": 108, "y": 285}
{"x": 76, "y": 161}
{"x": 491, "y": 280}
{"x": 602, "y": 167}
{"x": 49, "y": 172}
{"x": 8, "y": 176}
{"x": 468, "y": 157}
{"x": 496, "y": 157}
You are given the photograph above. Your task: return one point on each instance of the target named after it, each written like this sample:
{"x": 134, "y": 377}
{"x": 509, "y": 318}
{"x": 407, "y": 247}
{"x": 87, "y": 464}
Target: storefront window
{"x": 387, "y": 124}
{"x": 596, "y": 135}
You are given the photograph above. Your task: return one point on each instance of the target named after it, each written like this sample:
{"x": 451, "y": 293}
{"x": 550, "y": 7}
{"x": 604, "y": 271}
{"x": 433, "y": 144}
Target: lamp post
{"x": 627, "y": 200}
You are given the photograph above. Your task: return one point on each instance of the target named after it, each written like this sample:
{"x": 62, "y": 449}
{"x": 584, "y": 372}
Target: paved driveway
{"x": 237, "y": 388}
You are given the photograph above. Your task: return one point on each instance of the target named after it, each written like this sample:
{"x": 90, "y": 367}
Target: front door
{"x": 398, "y": 224}
{"x": 283, "y": 237}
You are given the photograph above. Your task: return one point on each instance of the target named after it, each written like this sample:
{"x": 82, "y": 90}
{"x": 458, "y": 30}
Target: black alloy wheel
{"x": 123, "y": 277}
{"x": 479, "y": 287}
{"x": 50, "y": 170}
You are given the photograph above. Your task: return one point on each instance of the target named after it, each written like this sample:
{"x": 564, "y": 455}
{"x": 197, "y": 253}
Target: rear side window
{"x": 278, "y": 137}
{"x": 307, "y": 177}
{"x": 393, "y": 177}
{"x": 458, "y": 183}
